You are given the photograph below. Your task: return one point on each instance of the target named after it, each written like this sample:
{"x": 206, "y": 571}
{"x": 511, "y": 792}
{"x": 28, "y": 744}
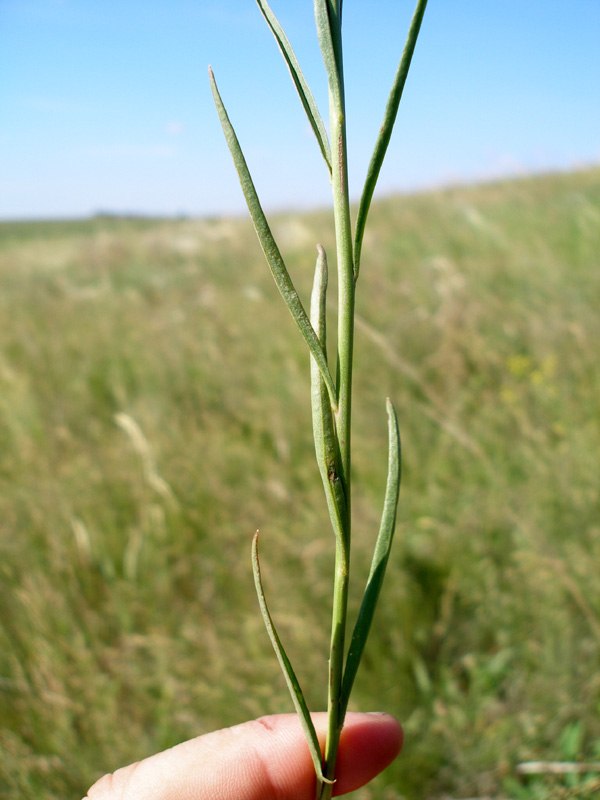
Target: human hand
{"x": 265, "y": 759}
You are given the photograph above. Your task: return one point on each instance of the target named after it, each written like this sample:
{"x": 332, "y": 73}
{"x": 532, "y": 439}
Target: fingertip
{"x": 369, "y": 743}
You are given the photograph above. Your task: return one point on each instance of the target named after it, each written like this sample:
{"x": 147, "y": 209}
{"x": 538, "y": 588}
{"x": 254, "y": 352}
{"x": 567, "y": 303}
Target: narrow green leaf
{"x": 306, "y": 97}
{"x": 288, "y": 672}
{"x": 379, "y": 562}
{"x": 318, "y": 300}
{"x": 385, "y": 131}
{"x": 324, "y": 435}
{"x": 269, "y": 246}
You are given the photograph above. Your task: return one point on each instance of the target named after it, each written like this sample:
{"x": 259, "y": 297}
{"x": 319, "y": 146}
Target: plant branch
{"x": 306, "y": 97}
{"x": 268, "y": 244}
{"x": 385, "y": 131}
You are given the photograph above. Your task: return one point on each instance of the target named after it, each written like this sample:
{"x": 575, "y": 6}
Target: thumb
{"x": 266, "y": 759}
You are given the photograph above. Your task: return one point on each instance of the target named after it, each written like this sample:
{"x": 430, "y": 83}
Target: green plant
{"x": 331, "y": 398}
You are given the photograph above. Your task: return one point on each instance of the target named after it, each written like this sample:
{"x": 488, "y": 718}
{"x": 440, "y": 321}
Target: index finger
{"x": 265, "y": 759}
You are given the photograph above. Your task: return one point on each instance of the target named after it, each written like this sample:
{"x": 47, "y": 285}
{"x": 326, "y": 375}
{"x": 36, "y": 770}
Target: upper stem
{"x": 345, "y": 300}
{"x": 343, "y": 229}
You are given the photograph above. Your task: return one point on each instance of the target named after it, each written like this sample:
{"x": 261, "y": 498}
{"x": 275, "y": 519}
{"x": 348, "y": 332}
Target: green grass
{"x": 128, "y": 619}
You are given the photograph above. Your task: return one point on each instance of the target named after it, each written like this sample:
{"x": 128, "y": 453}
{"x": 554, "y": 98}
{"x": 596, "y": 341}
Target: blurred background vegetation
{"x": 154, "y": 412}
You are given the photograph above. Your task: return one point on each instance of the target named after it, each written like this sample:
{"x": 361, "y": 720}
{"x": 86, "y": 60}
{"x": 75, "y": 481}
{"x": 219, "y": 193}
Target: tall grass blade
{"x": 269, "y": 246}
{"x": 385, "y": 131}
{"x": 323, "y": 426}
{"x": 288, "y": 672}
{"x": 379, "y": 562}
{"x": 306, "y": 96}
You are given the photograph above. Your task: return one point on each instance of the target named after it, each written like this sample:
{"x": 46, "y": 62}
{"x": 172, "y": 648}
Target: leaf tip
{"x": 254, "y": 548}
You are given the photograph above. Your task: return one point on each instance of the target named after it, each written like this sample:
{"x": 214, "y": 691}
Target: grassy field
{"x": 154, "y": 412}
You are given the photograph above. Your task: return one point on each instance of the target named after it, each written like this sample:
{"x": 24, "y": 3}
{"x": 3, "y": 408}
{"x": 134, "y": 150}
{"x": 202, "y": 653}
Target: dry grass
{"x": 154, "y": 413}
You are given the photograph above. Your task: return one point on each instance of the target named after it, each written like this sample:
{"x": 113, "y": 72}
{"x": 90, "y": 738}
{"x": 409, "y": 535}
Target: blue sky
{"x": 105, "y": 106}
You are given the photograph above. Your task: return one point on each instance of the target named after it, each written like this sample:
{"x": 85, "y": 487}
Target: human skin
{"x": 265, "y": 759}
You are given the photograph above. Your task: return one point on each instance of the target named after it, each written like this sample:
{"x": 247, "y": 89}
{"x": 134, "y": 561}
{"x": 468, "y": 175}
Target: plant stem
{"x": 342, "y": 417}
{"x": 336, "y": 664}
